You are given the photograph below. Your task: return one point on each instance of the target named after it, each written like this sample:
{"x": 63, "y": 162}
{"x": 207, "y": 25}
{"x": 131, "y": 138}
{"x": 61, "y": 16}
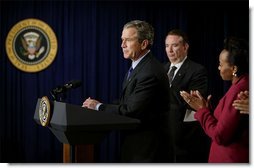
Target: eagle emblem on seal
{"x": 31, "y": 43}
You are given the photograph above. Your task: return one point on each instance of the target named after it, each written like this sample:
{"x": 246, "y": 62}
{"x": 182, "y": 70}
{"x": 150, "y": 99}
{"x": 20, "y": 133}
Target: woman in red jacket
{"x": 226, "y": 126}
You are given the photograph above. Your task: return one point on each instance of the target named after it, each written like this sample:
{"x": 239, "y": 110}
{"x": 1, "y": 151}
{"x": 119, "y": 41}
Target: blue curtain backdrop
{"x": 89, "y": 49}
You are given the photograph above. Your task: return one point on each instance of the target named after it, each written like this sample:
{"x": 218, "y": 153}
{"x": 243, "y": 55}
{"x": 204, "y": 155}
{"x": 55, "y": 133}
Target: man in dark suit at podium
{"x": 144, "y": 96}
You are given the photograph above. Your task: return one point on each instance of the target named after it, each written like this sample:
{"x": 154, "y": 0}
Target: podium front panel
{"x": 73, "y": 124}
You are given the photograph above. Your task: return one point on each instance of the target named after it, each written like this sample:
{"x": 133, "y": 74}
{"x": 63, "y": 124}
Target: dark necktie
{"x": 129, "y": 72}
{"x": 171, "y": 74}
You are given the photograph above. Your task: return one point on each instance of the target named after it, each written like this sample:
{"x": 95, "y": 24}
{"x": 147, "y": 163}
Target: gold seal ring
{"x": 44, "y": 111}
{"x": 31, "y": 45}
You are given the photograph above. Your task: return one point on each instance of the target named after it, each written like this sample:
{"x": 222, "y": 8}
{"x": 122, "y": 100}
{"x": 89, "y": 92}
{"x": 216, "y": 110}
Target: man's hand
{"x": 90, "y": 103}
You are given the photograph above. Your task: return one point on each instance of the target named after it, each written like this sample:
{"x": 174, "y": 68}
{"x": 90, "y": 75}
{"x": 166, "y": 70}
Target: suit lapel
{"x": 167, "y": 66}
{"x": 136, "y": 70}
{"x": 181, "y": 73}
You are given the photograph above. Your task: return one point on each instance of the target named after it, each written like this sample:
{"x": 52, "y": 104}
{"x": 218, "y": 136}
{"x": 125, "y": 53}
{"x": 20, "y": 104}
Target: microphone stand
{"x": 58, "y": 96}
{"x": 61, "y": 96}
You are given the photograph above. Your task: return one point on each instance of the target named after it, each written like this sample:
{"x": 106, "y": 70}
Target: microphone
{"x": 73, "y": 84}
{"x": 62, "y": 89}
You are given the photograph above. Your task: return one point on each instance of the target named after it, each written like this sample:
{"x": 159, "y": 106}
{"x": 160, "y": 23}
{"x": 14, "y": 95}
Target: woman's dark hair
{"x": 238, "y": 54}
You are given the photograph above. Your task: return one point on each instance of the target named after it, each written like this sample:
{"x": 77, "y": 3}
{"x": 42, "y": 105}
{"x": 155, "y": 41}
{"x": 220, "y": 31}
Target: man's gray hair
{"x": 144, "y": 30}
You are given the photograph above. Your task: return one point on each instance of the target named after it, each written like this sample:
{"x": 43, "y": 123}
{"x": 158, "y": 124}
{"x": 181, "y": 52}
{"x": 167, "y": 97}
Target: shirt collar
{"x": 135, "y": 63}
{"x": 178, "y": 65}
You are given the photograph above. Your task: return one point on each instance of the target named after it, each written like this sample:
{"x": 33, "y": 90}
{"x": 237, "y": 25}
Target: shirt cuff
{"x": 98, "y": 106}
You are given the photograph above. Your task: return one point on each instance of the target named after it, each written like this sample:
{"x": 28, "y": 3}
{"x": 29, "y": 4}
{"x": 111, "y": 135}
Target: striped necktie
{"x": 171, "y": 74}
{"x": 129, "y": 72}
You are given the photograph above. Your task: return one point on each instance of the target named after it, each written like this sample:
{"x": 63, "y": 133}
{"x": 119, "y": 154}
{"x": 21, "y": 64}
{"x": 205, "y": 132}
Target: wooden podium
{"x": 79, "y": 128}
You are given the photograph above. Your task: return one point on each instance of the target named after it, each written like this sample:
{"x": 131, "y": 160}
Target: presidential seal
{"x": 44, "y": 111}
{"x": 31, "y": 45}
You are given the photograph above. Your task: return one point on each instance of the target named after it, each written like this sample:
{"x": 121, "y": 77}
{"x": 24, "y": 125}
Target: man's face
{"x": 132, "y": 48}
{"x": 175, "y": 48}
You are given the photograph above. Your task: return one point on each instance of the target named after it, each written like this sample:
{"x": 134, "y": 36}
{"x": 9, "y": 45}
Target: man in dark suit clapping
{"x": 190, "y": 144}
{"x": 144, "y": 96}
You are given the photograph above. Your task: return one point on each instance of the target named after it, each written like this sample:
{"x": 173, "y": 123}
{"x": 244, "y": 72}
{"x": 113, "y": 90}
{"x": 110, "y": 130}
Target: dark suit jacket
{"x": 145, "y": 97}
{"x": 189, "y": 140}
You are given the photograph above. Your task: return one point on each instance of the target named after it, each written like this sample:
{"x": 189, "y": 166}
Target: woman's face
{"x": 226, "y": 70}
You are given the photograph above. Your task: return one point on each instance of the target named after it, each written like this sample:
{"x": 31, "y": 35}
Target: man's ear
{"x": 144, "y": 44}
{"x": 186, "y": 46}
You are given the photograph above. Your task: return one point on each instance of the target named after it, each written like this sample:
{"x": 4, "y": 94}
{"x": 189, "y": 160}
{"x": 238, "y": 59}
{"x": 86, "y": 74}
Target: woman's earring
{"x": 234, "y": 74}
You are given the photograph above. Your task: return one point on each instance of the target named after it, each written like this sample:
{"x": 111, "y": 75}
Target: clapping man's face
{"x": 175, "y": 48}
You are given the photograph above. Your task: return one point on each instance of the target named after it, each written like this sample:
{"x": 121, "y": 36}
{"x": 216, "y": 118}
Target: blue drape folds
{"x": 89, "y": 49}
